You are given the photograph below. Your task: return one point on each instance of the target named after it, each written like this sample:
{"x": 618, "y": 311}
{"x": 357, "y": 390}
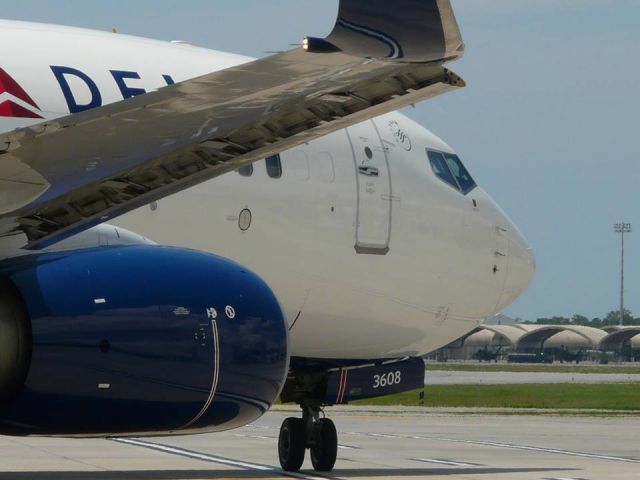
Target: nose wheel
{"x": 325, "y": 450}
{"x": 291, "y": 444}
{"x": 311, "y": 432}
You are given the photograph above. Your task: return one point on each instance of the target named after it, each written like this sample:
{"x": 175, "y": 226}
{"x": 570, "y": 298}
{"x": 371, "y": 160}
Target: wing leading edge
{"x": 75, "y": 172}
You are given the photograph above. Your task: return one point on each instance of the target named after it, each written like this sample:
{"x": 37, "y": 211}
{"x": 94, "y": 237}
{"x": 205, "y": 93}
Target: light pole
{"x": 622, "y": 228}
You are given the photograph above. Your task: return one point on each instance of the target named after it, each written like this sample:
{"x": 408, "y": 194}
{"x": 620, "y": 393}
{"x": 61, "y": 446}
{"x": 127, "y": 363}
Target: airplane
{"x": 486, "y": 355}
{"x": 144, "y": 182}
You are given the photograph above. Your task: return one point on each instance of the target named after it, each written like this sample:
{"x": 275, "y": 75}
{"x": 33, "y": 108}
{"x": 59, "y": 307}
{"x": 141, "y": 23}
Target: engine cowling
{"x": 136, "y": 339}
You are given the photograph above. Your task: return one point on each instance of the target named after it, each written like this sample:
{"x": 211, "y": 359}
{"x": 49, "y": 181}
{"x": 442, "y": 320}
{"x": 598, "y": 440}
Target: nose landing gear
{"x": 312, "y": 386}
{"x": 309, "y": 432}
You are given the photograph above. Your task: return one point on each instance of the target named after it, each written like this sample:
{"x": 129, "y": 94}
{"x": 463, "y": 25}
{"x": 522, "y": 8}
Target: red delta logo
{"x": 14, "y": 101}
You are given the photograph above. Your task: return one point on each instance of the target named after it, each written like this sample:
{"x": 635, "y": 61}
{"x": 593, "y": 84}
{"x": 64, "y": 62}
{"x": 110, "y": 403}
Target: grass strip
{"x": 609, "y": 396}
{"x": 507, "y": 367}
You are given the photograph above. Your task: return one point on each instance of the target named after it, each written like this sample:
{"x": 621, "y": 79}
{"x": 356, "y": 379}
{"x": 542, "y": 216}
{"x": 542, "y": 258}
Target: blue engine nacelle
{"x": 136, "y": 339}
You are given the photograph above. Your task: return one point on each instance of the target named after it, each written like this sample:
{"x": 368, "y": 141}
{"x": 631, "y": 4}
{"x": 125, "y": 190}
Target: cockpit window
{"x": 274, "y": 166}
{"x": 450, "y": 169}
{"x": 246, "y": 171}
{"x": 439, "y": 166}
{"x": 462, "y": 175}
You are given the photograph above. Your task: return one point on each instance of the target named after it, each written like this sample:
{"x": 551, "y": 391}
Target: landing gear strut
{"x": 312, "y": 432}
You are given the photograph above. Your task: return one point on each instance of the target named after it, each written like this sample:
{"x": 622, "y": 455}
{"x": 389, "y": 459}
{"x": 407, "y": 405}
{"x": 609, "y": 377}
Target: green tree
{"x": 578, "y": 319}
{"x": 613, "y": 318}
{"x": 553, "y": 321}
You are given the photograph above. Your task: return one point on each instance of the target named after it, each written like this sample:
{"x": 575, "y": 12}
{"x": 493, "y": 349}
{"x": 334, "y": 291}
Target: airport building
{"x": 544, "y": 343}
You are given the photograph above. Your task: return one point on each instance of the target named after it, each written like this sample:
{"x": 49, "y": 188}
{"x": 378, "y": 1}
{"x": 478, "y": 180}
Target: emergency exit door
{"x": 373, "y": 222}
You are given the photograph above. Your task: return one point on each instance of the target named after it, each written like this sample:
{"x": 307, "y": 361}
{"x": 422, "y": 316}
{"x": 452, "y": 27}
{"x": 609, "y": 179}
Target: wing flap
{"x": 101, "y": 163}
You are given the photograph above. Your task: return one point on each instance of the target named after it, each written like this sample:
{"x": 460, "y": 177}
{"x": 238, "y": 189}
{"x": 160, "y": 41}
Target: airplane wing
{"x": 63, "y": 176}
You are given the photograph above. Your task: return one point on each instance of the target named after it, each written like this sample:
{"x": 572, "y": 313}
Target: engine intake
{"x": 15, "y": 341}
{"x": 136, "y": 340}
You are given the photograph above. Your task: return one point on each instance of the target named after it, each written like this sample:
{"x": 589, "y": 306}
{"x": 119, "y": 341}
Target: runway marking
{"x": 382, "y": 435}
{"x": 530, "y": 448}
{"x": 265, "y": 437}
{"x": 348, "y": 447}
{"x": 564, "y": 478}
{"x": 213, "y": 459}
{"x": 503, "y": 445}
{"x": 261, "y": 437}
{"x": 446, "y": 462}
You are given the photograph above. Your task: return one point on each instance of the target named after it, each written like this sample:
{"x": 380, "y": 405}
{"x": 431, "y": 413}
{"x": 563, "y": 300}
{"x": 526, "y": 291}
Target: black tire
{"x": 291, "y": 444}
{"x": 325, "y": 451}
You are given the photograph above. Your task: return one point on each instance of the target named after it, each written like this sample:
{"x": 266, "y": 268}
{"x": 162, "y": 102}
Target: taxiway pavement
{"x": 393, "y": 443}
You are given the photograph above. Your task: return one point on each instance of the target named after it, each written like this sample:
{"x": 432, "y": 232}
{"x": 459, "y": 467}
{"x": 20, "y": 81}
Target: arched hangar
{"x": 571, "y": 337}
{"x": 619, "y": 338}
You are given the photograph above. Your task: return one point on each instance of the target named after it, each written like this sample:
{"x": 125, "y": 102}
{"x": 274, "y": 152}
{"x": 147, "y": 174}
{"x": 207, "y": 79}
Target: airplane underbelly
{"x": 339, "y": 324}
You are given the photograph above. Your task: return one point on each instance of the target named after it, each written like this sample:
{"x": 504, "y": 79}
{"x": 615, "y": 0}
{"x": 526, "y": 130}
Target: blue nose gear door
{"x": 373, "y": 222}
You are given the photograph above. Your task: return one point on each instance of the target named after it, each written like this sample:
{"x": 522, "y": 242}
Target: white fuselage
{"x": 370, "y": 253}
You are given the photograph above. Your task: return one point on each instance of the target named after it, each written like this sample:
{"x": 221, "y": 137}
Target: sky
{"x": 548, "y": 125}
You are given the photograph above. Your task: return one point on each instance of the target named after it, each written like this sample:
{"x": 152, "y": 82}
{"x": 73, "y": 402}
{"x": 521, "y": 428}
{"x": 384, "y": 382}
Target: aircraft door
{"x": 373, "y": 217}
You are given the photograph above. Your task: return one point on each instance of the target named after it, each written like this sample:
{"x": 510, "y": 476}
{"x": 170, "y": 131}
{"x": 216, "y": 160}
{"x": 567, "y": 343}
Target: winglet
{"x": 401, "y": 30}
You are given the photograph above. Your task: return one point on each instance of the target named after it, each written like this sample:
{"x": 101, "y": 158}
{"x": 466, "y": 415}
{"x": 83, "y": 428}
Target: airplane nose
{"x": 522, "y": 265}
{"x": 520, "y": 261}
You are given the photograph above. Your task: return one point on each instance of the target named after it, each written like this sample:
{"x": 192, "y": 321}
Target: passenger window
{"x": 324, "y": 164}
{"x": 300, "y": 163}
{"x": 460, "y": 173}
{"x": 274, "y": 166}
{"x": 439, "y": 167}
{"x": 246, "y": 171}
